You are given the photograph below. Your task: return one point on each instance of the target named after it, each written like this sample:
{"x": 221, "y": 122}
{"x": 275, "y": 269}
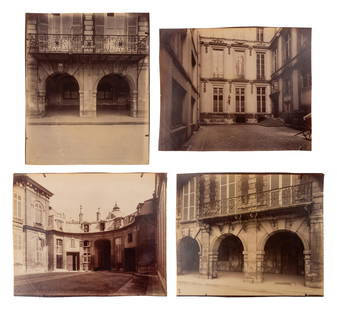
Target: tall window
{"x": 59, "y": 246}
{"x": 260, "y": 66}
{"x": 306, "y": 79}
{"x": 17, "y": 241}
{"x": 287, "y": 46}
{"x": 217, "y": 99}
{"x": 286, "y": 87}
{"x": 275, "y": 61}
{"x": 261, "y": 99}
{"x": 17, "y": 206}
{"x": 38, "y": 213}
{"x": 259, "y": 34}
{"x": 178, "y": 98}
{"x": 189, "y": 200}
{"x": 227, "y": 190}
{"x": 239, "y": 99}
{"x": 218, "y": 63}
{"x": 39, "y": 250}
{"x": 118, "y": 250}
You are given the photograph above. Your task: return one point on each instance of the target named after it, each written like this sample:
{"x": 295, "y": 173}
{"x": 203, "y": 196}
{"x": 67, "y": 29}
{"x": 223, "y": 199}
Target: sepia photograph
{"x": 249, "y": 234}
{"x": 235, "y": 89}
{"x": 89, "y": 234}
{"x": 87, "y": 88}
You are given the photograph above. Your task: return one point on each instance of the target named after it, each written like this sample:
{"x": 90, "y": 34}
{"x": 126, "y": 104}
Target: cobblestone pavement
{"x": 246, "y": 138}
{"x": 233, "y": 284}
{"x": 102, "y": 283}
{"x": 87, "y": 144}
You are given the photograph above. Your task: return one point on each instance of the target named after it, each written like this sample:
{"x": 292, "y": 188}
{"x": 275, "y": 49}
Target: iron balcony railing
{"x": 82, "y": 44}
{"x": 290, "y": 196}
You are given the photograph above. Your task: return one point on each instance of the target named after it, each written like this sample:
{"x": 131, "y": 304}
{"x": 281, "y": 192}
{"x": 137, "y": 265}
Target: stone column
{"x": 307, "y": 268}
{"x": 245, "y": 265}
{"x": 316, "y": 239}
{"x": 204, "y": 251}
{"x": 81, "y": 93}
{"x": 133, "y": 103}
{"x": 213, "y": 264}
{"x": 41, "y": 102}
{"x": 259, "y": 266}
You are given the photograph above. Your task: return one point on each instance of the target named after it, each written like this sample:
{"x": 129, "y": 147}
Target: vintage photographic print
{"x": 87, "y": 88}
{"x": 250, "y": 234}
{"x": 235, "y": 89}
{"x": 97, "y": 234}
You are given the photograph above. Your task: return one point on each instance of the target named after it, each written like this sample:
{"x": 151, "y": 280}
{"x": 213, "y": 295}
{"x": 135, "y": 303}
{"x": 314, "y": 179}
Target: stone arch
{"x": 263, "y": 240}
{"x": 62, "y": 92}
{"x": 188, "y": 255}
{"x": 216, "y": 242}
{"x": 227, "y": 254}
{"x": 130, "y": 80}
{"x": 116, "y": 91}
{"x": 285, "y": 252}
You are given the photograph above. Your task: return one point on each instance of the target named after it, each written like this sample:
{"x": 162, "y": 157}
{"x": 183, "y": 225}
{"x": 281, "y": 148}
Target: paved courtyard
{"x": 102, "y": 283}
{"x": 246, "y": 138}
{"x": 87, "y": 144}
{"x": 232, "y": 284}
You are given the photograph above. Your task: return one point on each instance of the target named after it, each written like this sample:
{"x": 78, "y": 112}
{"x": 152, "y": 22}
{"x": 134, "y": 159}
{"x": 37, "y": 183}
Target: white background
{"x": 320, "y": 15}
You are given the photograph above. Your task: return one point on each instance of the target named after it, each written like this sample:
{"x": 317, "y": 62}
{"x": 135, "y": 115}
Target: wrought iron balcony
{"x": 281, "y": 198}
{"x": 87, "y": 44}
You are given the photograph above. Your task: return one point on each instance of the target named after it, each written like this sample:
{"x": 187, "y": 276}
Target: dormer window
{"x": 102, "y": 226}
{"x": 86, "y": 227}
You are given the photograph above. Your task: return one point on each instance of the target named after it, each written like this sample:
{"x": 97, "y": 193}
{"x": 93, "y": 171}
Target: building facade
{"x": 179, "y": 71}
{"x": 235, "y": 75}
{"x": 255, "y": 224}
{"x": 45, "y": 241}
{"x": 291, "y": 73}
{"x": 160, "y": 215}
{"x": 87, "y": 63}
{"x": 249, "y": 74}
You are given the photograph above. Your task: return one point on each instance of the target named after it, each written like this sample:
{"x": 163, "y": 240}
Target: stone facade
{"x": 44, "y": 240}
{"x": 87, "y": 62}
{"x": 251, "y": 223}
{"x": 235, "y": 75}
{"x": 248, "y": 74}
{"x": 179, "y": 87}
{"x": 291, "y": 73}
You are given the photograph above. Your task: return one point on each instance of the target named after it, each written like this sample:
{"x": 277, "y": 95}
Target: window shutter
{"x": 81, "y": 244}
{"x": 132, "y": 21}
{"x": 42, "y": 24}
{"x": 99, "y": 24}
{"x": 77, "y": 24}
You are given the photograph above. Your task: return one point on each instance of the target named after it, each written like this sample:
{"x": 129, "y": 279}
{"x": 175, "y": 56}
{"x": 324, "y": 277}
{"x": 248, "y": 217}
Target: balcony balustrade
{"x": 87, "y": 44}
{"x": 285, "y": 197}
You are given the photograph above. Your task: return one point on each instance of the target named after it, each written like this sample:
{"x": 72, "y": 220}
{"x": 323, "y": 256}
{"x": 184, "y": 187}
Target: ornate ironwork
{"x": 290, "y": 196}
{"x": 84, "y": 44}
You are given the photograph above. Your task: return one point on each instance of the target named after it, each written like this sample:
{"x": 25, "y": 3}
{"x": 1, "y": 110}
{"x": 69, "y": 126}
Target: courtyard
{"x": 233, "y": 284}
{"x": 244, "y": 137}
{"x": 102, "y": 283}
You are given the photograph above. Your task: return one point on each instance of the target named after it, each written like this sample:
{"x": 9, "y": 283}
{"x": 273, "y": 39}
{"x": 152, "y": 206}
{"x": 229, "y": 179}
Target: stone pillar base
{"x": 88, "y": 114}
